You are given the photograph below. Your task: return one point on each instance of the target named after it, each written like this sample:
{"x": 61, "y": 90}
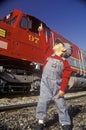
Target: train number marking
{"x": 33, "y": 39}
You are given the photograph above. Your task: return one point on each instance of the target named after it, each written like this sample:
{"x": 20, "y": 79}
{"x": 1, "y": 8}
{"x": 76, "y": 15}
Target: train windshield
{"x": 10, "y": 18}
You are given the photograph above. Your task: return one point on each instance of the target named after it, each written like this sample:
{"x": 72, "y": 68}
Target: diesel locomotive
{"x": 22, "y": 54}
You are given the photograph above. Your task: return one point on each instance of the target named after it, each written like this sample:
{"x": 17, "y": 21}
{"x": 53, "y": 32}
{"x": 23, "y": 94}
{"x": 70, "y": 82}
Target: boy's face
{"x": 59, "y": 49}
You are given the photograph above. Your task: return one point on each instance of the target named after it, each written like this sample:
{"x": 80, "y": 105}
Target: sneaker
{"x": 39, "y": 127}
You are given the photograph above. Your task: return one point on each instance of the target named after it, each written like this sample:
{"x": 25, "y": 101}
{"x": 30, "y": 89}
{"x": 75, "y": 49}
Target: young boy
{"x": 55, "y": 76}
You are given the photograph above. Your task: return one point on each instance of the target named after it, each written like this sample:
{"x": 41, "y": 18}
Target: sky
{"x": 66, "y": 17}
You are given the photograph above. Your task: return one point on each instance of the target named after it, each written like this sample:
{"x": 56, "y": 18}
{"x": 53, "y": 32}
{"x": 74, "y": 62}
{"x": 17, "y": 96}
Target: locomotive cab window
{"x": 24, "y": 23}
{"x": 10, "y": 19}
{"x": 35, "y": 24}
{"x": 48, "y": 33}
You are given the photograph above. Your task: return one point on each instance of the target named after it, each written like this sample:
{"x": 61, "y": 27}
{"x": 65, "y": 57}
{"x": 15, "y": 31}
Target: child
{"x": 55, "y": 76}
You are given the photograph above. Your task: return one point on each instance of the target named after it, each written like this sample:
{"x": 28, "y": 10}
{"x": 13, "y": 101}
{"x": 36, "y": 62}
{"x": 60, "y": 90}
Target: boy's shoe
{"x": 66, "y": 127}
{"x": 39, "y": 127}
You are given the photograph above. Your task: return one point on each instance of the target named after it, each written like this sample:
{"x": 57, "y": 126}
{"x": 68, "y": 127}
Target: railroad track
{"x": 34, "y": 102}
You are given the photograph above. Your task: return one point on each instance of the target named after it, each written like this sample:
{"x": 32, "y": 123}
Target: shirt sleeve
{"x": 65, "y": 75}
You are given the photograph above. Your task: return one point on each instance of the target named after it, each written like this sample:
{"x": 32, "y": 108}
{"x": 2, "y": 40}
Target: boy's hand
{"x": 40, "y": 27}
{"x": 60, "y": 94}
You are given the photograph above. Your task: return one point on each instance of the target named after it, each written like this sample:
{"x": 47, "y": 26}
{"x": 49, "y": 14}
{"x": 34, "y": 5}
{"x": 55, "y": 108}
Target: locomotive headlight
{"x": 2, "y": 33}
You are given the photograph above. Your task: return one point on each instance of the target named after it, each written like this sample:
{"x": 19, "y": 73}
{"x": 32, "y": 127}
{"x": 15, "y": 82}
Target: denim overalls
{"x": 50, "y": 85}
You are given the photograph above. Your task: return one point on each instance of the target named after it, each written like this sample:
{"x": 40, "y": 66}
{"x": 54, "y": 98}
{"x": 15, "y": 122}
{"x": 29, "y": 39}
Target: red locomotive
{"x": 22, "y": 53}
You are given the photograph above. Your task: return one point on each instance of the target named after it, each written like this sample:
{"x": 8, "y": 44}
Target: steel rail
{"x": 33, "y": 104}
